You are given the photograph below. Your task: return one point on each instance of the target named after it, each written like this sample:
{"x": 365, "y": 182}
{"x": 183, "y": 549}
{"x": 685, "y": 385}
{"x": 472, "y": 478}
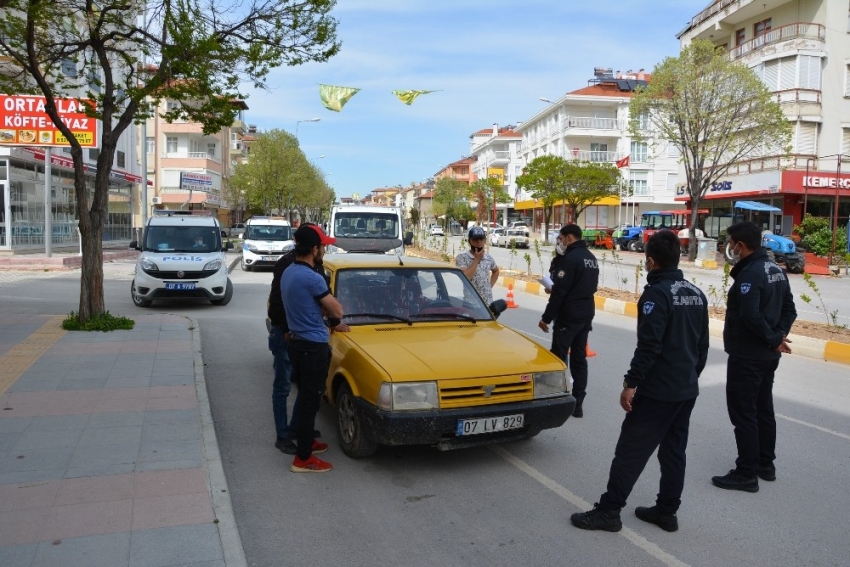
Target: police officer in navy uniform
{"x": 659, "y": 391}
{"x": 575, "y": 277}
{"x": 759, "y": 314}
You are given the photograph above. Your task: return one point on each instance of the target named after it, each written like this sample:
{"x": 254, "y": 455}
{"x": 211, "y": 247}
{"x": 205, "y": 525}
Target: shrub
{"x": 105, "y": 322}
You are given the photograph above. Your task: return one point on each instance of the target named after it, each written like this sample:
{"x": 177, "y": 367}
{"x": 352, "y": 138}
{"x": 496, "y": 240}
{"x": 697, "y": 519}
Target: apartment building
{"x": 591, "y": 124}
{"x": 495, "y": 151}
{"x": 801, "y": 50}
{"x": 188, "y": 168}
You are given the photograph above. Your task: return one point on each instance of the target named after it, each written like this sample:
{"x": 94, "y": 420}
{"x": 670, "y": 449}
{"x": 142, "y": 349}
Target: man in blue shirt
{"x": 307, "y": 300}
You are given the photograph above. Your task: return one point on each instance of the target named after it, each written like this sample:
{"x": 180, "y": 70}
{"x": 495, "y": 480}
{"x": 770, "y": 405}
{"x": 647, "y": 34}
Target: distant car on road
{"x": 236, "y": 230}
{"x": 521, "y": 226}
{"x": 436, "y": 230}
{"x": 517, "y": 236}
{"x": 495, "y": 233}
{"x": 389, "y": 386}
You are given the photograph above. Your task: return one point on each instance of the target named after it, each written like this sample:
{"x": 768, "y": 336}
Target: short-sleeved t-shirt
{"x": 481, "y": 279}
{"x": 301, "y": 288}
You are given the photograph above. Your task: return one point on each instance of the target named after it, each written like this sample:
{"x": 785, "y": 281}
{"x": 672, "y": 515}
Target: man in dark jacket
{"x": 575, "y": 277}
{"x": 759, "y": 314}
{"x": 659, "y": 390}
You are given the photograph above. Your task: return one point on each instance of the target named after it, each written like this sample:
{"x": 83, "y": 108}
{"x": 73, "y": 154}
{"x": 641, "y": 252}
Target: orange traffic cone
{"x": 511, "y": 303}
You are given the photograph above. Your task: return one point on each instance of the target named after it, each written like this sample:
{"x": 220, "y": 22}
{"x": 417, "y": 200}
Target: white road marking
{"x": 813, "y": 426}
{"x": 627, "y": 533}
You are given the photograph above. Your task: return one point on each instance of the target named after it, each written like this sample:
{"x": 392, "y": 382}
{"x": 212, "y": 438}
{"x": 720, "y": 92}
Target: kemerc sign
{"x": 23, "y": 121}
{"x": 195, "y": 181}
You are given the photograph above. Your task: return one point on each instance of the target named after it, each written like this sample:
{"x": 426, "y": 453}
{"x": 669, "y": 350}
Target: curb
{"x": 228, "y": 533}
{"x": 830, "y": 351}
{"x": 235, "y": 261}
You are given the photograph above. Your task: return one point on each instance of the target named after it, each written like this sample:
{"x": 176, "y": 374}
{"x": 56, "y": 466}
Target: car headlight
{"x": 148, "y": 264}
{"x": 548, "y": 384}
{"x": 251, "y": 248}
{"x": 331, "y": 249}
{"x": 396, "y": 251}
{"x": 213, "y": 265}
{"x": 408, "y": 396}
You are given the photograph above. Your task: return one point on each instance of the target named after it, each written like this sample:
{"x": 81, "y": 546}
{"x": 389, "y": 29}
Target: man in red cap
{"x": 307, "y": 300}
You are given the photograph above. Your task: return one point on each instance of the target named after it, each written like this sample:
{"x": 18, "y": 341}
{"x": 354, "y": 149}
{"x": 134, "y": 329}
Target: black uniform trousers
{"x": 651, "y": 424}
{"x": 749, "y": 401}
{"x": 571, "y": 337}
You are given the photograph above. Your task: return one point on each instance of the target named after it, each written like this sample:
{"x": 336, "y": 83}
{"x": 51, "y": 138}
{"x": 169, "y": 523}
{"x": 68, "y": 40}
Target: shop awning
{"x": 180, "y": 198}
{"x": 756, "y": 206}
{"x": 536, "y": 204}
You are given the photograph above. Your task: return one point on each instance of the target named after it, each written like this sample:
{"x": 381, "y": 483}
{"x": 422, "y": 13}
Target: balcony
{"x": 591, "y": 126}
{"x": 799, "y": 30}
{"x": 498, "y": 158}
{"x": 587, "y": 155}
{"x": 769, "y": 163}
{"x": 191, "y": 160}
{"x": 799, "y": 102}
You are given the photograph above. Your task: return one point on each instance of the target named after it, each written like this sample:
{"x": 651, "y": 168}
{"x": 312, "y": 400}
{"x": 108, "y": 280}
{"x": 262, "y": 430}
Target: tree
{"x": 485, "y": 191}
{"x": 587, "y": 182}
{"x": 203, "y": 53}
{"x": 543, "y": 179}
{"x": 449, "y": 197}
{"x": 714, "y": 111}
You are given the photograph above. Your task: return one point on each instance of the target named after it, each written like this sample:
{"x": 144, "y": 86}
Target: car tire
{"x": 352, "y": 437}
{"x": 228, "y": 295}
{"x": 138, "y": 301}
{"x": 633, "y": 245}
{"x": 245, "y": 267}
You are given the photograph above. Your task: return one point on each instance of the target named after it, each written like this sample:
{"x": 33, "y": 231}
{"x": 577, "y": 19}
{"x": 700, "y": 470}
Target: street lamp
{"x": 544, "y": 99}
{"x": 297, "y": 122}
{"x": 839, "y": 158}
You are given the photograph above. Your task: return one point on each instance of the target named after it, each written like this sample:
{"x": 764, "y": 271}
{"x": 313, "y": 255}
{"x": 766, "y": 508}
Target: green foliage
{"x": 816, "y": 234}
{"x": 484, "y": 192}
{"x": 527, "y": 258}
{"x": 450, "y": 199}
{"x": 104, "y": 322}
{"x": 715, "y": 111}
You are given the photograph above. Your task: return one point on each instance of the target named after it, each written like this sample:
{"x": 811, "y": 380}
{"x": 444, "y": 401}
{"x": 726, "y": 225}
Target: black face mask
{"x": 476, "y": 248}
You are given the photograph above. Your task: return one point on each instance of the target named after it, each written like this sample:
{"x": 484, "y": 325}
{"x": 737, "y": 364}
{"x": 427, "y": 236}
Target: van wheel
{"x": 138, "y": 301}
{"x": 352, "y": 438}
{"x": 228, "y": 295}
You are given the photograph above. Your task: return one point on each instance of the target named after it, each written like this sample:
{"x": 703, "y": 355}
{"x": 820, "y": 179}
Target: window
{"x": 761, "y": 28}
{"x": 598, "y": 152}
{"x": 94, "y": 153}
{"x": 149, "y": 145}
{"x": 740, "y": 37}
{"x": 94, "y": 81}
{"x": 211, "y": 150}
{"x": 643, "y": 121}
{"x": 673, "y": 150}
{"x": 171, "y": 105}
{"x": 847, "y": 81}
{"x": 120, "y": 159}
{"x": 845, "y": 142}
{"x": 810, "y": 72}
{"x": 639, "y": 152}
{"x": 171, "y": 144}
{"x": 638, "y": 183}
{"x": 69, "y": 68}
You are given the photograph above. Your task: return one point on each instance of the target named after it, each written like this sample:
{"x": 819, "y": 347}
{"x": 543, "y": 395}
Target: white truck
{"x": 265, "y": 240}
{"x": 364, "y": 228}
{"x": 182, "y": 256}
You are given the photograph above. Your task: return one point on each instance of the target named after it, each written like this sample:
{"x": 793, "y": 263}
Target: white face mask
{"x": 560, "y": 248}
{"x": 736, "y": 256}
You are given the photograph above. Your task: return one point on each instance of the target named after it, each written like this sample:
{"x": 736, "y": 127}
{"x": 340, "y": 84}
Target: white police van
{"x": 182, "y": 255}
{"x": 265, "y": 240}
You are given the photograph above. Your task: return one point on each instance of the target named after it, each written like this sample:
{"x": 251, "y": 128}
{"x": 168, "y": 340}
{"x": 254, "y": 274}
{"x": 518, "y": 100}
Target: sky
{"x": 489, "y": 60}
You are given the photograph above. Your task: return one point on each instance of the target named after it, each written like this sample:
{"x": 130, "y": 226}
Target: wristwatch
{"x": 626, "y": 386}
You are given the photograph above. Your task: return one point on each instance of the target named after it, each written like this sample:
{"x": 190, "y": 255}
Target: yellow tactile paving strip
{"x": 17, "y": 360}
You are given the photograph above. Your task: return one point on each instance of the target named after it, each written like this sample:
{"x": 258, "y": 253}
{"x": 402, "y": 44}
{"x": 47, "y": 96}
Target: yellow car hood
{"x": 450, "y": 350}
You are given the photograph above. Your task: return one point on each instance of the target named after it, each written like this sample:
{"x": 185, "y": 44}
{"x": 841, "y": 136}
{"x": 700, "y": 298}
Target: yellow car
{"x": 426, "y": 362}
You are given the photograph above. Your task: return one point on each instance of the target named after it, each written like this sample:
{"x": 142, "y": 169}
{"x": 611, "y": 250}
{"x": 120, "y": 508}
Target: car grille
{"x": 199, "y": 275}
{"x": 484, "y": 391}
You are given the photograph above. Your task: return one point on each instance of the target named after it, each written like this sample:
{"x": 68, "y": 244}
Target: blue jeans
{"x": 282, "y": 384}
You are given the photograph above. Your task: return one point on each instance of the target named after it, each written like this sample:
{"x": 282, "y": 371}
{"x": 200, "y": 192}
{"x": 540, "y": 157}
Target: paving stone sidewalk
{"x": 108, "y": 454}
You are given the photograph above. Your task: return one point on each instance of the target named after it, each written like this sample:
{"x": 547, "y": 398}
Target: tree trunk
{"x": 92, "y": 303}
{"x": 692, "y": 233}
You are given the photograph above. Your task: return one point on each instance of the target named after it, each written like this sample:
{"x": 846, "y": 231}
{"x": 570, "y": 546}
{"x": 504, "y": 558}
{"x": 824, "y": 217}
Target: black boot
{"x": 578, "y": 412}
{"x": 736, "y": 481}
{"x": 664, "y": 520}
{"x": 598, "y": 519}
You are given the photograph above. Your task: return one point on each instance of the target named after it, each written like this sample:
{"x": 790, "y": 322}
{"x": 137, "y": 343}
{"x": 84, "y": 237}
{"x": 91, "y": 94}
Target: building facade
{"x": 801, "y": 50}
{"x": 496, "y": 155}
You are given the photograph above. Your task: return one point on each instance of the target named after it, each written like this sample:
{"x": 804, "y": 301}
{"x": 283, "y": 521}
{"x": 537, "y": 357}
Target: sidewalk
{"x": 108, "y": 456}
{"x": 59, "y": 260}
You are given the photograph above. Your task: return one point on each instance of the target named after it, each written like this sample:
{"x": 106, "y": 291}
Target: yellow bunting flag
{"x": 334, "y": 97}
{"x": 407, "y": 97}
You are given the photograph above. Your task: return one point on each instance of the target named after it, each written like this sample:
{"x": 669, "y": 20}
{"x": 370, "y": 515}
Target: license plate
{"x": 181, "y": 286}
{"x": 489, "y": 424}
{"x": 271, "y": 258}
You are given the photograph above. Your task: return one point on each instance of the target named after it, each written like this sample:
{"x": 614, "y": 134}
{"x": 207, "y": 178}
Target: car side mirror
{"x": 498, "y": 306}
{"x": 228, "y": 246}
{"x": 223, "y": 234}
{"x": 408, "y": 239}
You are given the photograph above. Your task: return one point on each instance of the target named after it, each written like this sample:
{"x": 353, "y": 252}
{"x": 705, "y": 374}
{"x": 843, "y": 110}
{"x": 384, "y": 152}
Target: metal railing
{"x": 770, "y": 163}
{"x": 784, "y": 33}
{"x": 592, "y": 123}
{"x": 191, "y": 155}
{"x": 797, "y": 96}
{"x": 714, "y": 9}
{"x": 586, "y": 155}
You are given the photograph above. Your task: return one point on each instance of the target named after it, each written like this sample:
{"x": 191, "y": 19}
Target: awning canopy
{"x": 756, "y": 206}
{"x": 536, "y": 204}
{"x": 180, "y": 198}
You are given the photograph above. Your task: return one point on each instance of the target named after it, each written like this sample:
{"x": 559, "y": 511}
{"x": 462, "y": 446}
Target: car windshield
{"x": 376, "y": 296}
{"x": 196, "y": 239}
{"x": 366, "y": 224}
{"x": 267, "y": 232}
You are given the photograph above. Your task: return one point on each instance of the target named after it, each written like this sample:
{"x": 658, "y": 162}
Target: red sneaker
{"x": 313, "y": 464}
{"x": 319, "y": 447}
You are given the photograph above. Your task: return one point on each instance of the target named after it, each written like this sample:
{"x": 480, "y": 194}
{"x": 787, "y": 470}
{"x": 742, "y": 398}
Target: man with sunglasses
{"x": 479, "y": 267}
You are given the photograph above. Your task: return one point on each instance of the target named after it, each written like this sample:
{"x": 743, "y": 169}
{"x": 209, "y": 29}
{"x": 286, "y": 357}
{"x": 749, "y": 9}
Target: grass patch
{"x": 106, "y": 322}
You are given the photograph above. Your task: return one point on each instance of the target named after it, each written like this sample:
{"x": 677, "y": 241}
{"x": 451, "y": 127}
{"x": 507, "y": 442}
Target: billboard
{"x": 497, "y": 173}
{"x": 195, "y": 181}
{"x": 24, "y": 122}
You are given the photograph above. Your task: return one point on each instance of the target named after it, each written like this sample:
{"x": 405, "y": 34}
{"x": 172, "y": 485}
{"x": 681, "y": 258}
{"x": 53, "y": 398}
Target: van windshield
{"x": 196, "y": 239}
{"x": 365, "y": 225}
{"x": 267, "y": 232}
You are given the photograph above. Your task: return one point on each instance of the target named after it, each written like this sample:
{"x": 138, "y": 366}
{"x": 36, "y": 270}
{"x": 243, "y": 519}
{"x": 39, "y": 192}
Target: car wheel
{"x": 245, "y": 267}
{"x": 228, "y": 295}
{"x": 632, "y": 245}
{"x": 138, "y": 300}
{"x": 352, "y": 438}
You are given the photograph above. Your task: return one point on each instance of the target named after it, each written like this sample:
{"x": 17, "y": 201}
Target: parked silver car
{"x": 517, "y": 236}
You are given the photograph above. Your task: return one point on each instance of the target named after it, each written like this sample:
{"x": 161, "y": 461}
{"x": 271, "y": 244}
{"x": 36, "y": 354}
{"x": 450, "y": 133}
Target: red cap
{"x": 312, "y": 235}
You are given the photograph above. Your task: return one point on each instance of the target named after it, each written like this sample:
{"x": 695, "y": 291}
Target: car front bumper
{"x": 212, "y": 287}
{"x": 439, "y": 427}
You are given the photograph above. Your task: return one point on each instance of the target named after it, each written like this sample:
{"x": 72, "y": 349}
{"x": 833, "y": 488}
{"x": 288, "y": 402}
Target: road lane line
{"x": 813, "y": 426}
{"x": 576, "y": 501}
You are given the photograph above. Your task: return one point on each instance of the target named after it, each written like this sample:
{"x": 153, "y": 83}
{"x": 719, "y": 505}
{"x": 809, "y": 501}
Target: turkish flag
{"x": 623, "y": 162}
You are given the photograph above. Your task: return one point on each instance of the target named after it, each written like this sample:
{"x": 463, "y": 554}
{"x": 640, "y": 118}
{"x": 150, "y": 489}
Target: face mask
{"x": 736, "y": 256}
{"x": 560, "y": 247}
{"x": 476, "y": 248}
